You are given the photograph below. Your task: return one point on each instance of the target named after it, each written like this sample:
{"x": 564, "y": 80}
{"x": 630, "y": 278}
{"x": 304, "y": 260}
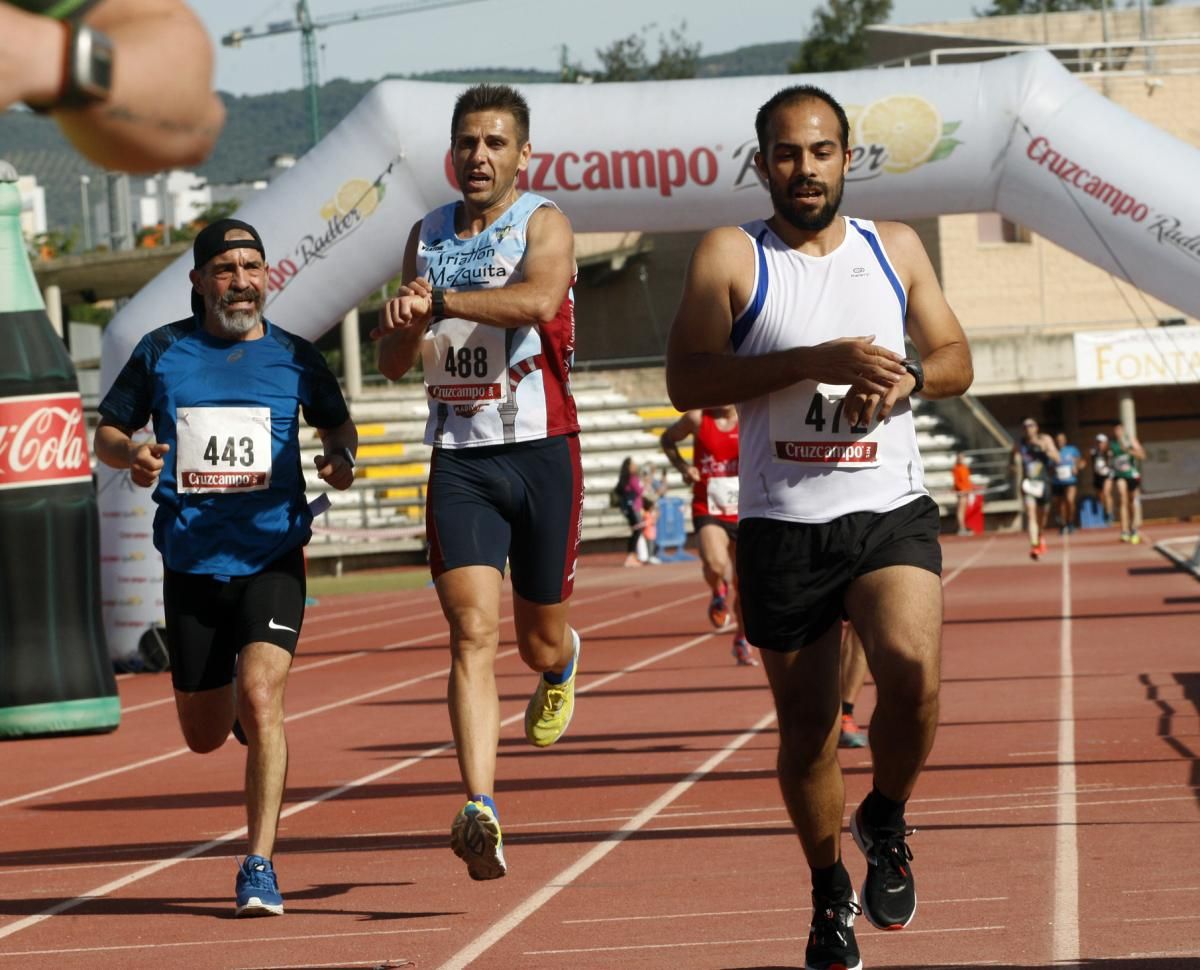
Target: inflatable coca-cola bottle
{"x": 55, "y": 673}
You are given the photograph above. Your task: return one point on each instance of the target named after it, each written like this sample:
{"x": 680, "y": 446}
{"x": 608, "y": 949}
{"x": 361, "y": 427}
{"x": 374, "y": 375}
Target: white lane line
{"x": 88, "y": 779}
{"x": 907, "y": 934}
{"x": 756, "y": 912}
{"x": 1066, "y": 844}
{"x": 969, "y": 563}
{"x": 1192, "y": 918}
{"x": 533, "y": 903}
{"x": 252, "y": 941}
{"x": 384, "y": 964}
{"x": 342, "y": 632}
{"x": 301, "y": 715}
{"x": 150, "y": 870}
{"x": 726, "y": 912}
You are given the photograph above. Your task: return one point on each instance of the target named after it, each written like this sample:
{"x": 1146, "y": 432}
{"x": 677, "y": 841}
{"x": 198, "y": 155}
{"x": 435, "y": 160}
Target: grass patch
{"x": 370, "y": 581}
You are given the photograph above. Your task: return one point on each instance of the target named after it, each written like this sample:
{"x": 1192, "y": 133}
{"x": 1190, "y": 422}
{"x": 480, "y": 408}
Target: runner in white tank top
{"x": 488, "y": 299}
{"x": 800, "y": 320}
{"x": 802, "y": 458}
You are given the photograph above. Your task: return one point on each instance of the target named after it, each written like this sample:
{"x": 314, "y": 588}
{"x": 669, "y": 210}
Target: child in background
{"x": 628, "y": 494}
{"x": 648, "y": 545}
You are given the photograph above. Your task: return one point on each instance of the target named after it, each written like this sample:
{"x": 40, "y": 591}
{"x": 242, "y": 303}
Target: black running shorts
{"x": 730, "y": 528}
{"x": 209, "y": 621}
{"x": 792, "y": 576}
{"x": 520, "y": 503}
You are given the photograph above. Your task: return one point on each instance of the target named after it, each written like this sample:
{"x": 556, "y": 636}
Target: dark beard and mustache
{"x": 236, "y": 323}
{"x": 807, "y": 219}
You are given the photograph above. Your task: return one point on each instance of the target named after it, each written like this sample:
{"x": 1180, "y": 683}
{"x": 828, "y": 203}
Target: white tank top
{"x": 800, "y": 459}
{"x": 492, "y": 385}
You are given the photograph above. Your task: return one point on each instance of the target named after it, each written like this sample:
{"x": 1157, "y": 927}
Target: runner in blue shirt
{"x": 1065, "y": 486}
{"x": 223, "y": 388}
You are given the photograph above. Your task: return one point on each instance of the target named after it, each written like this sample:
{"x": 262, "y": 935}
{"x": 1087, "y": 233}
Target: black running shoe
{"x": 831, "y": 944}
{"x": 889, "y": 894}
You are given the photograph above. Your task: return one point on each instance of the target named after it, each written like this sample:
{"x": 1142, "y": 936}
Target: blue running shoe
{"x": 257, "y": 889}
{"x": 851, "y": 736}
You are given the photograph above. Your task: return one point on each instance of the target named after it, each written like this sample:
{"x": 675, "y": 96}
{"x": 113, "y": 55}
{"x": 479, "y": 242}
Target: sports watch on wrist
{"x": 87, "y": 69}
{"x": 913, "y": 366}
{"x": 438, "y": 302}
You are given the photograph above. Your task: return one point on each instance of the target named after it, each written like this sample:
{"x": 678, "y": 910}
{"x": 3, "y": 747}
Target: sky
{"x": 501, "y": 33}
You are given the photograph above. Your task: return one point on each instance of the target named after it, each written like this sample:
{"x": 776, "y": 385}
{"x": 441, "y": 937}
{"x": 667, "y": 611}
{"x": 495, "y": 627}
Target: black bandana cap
{"x": 211, "y": 241}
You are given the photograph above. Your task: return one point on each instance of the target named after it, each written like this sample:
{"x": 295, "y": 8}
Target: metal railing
{"x": 1101, "y": 58}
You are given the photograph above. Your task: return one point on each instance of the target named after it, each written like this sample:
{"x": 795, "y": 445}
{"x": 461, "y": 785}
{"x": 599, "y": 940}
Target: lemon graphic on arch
{"x": 908, "y": 126}
{"x": 356, "y": 194}
{"x": 853, "y": 114}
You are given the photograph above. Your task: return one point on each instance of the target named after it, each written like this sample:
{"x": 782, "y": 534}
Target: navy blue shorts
{"x": 521, "y": 503}
{"x": 793, "y": 576}
{"x": 209, "y": 621}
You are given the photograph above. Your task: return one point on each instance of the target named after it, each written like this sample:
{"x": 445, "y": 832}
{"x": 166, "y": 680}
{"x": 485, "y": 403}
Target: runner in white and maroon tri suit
{"x": 488, "y": 309}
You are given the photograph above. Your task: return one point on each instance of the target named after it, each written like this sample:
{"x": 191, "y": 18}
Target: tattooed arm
{"x": 162, "y": 112}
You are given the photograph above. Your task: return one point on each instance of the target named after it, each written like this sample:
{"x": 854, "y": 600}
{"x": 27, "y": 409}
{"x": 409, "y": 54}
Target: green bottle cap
{"x": 18, "y": 287}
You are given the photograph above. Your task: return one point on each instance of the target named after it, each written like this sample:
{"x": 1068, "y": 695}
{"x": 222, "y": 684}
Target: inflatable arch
{"x": 1019, "y": 136}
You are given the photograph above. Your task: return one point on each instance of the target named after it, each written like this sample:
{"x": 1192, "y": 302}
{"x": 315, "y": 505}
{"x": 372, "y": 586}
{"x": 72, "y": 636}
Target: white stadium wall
{"x": 1019, "y": 136}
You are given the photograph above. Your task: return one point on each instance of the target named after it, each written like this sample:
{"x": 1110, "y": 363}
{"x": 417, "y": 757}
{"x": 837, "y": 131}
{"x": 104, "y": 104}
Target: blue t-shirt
{"x": 230, "y": 401}
{"x": 1064, "y": 469}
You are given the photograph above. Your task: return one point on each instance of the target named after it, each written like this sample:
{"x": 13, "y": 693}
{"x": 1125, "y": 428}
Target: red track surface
{"x": 1058, "y": 814}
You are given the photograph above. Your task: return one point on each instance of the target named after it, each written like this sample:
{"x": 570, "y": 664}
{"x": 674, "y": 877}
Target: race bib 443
{"x": 223, "y": 449}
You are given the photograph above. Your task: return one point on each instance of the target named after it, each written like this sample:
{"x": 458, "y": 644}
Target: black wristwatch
{"x": 913, "y": 366}
{"x": 438, "y": 302}
{"x": 87, "y": 71}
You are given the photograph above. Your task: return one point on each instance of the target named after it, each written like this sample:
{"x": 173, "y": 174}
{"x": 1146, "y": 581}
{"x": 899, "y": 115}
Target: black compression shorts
{"x": 209, "y": 621}
{"x": 522, "y": 503}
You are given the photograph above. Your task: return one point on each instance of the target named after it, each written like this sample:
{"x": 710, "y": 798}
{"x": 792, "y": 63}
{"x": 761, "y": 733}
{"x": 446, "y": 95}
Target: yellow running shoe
{"x": 476, "y": 838}
{"x": 551, "y": 706}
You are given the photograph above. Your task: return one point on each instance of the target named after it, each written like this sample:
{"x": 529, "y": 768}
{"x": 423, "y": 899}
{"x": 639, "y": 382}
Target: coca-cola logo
{"x": 42, "y": 441}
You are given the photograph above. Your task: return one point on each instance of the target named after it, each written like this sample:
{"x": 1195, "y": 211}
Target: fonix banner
{"x": 1018, "y": 136}
{"x": 1163, "y": 355}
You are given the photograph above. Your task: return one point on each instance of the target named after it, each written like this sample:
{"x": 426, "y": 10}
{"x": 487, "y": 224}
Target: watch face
{"x": 102, "y": 66}
{"x": 92, "y": 67}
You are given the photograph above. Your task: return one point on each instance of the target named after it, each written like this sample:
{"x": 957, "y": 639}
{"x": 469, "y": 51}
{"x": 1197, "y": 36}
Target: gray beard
{"x": 237, "y": 323}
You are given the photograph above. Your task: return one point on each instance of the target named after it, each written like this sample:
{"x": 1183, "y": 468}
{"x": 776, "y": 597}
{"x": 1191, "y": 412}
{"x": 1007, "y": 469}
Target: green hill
{"x": 259, "y": 127}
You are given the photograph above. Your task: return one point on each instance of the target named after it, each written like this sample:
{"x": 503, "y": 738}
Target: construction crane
{"x": 307, "y": 26}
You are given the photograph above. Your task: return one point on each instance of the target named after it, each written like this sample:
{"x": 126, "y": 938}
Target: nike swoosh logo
{"x": 272, "y": 625}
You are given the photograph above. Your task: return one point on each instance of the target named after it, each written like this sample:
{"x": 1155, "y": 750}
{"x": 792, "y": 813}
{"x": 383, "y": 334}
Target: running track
{"x": 1058, "y": 822}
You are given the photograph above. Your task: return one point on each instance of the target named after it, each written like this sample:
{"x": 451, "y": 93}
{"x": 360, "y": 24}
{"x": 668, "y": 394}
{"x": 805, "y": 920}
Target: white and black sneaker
{"x": 889, "y": 892}
{"x": 831, "y": 943}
